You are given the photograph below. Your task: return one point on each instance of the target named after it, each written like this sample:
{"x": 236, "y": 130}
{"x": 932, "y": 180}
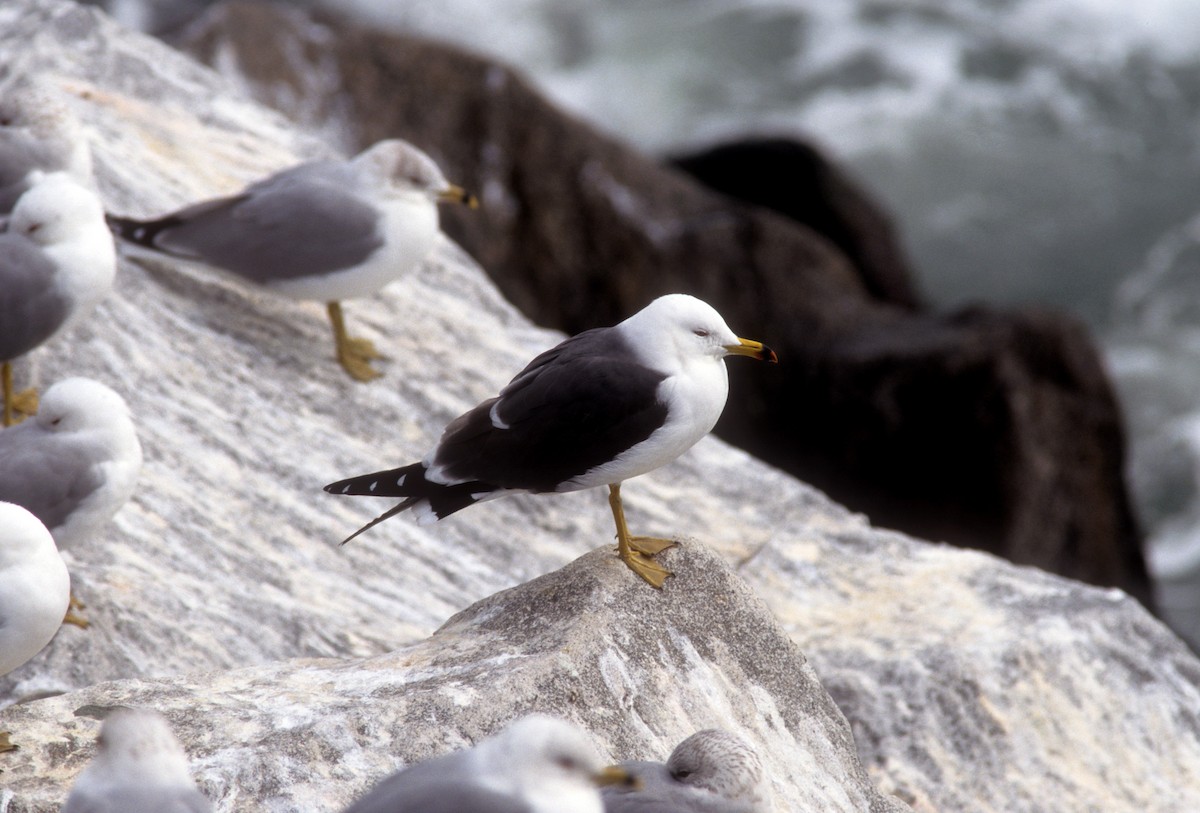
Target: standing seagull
{"x": 603, "y": 406}
{"x": 56, "y": 262}
{"x": 712, "y": 771}
{"x": 323, "y": 230}
{"x": 139, "y": 767}
{"x": 37, "y": 133}
{"x": 538, "y": 764}
{"x": 34, "y": 590}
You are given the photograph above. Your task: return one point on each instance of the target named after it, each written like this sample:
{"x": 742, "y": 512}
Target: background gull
{"x": 538, "y": 764}
{"x": 74, "y": 464}
{"x": 712, "y": 771}
{"x": 38, "y": 132}
{"x": 56, "y": 262}
{"x": 325, "y": 230}
{"x": 601, "y": 407}
{"x": 34, "y": 589}
{"x": 139, "y": 767}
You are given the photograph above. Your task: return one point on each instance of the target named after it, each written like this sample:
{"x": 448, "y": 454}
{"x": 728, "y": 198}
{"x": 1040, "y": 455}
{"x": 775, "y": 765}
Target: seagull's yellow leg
{"x": 353, "y": 354}
{"x": 23, "y": 403}
{"x": 5, "y": 743}
{"x": 72, "y": 618}
{"x": 635, "y": 551}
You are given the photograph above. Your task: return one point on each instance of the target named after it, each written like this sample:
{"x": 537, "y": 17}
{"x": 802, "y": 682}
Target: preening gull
{"x": 712, "y": 771}
{"x": 34, "y": 590}
{"x": 139, "y": 767}
{"x": 538, "y": 764}
{"x": 56, "y": 262}
{"x": 38, "y": 132}
{"x": 324, "y": 230}
{"x": 601, "y": 407}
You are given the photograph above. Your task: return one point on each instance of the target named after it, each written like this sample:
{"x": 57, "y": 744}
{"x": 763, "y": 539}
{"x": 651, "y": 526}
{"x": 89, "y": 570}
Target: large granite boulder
{"x": 296, "y": 672}
{"x": 990, "y": 429}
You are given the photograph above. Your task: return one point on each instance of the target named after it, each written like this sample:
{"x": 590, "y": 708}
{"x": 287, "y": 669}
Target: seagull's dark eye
{"x": 701, "y": 332}
{"x": 566, "y": 763}
{"x": 684, "y": 774}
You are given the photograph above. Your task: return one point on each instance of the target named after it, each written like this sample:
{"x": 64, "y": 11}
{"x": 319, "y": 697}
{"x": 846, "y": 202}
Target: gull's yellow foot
{"x": 654, "y": 574}
{"x": 5, "y": 743}
{"x": 635, "y": 551}
{"x": 650, "y": 545}
{"x": 355, "y": 356}
{"x": 72, "y": 618}
{"x": 25, "y": 403}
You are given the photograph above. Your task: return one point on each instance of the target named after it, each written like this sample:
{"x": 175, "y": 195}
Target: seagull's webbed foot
{"x": 653, "y": 573}
{"x": 17, "y": 405}
{"x": 74, "y": 618}
{"x": 635, "y": 551}
{"x": 354, "y": 354}
{"x": 6, "y": 744}
{"x": 25, "y": 403}
{"x": 650, "y": 545}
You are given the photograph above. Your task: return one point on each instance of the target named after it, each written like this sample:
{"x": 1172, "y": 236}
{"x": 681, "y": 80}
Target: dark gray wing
{"x": 140, "y": 800}
{"x": 304, "y": 221}
{"x": 47, "y": 474}
{"x": 441, "y": 785}
{"x": 31, "y": 306}
{"x": 572, "y": 408}
{"x": 436, "y": 798}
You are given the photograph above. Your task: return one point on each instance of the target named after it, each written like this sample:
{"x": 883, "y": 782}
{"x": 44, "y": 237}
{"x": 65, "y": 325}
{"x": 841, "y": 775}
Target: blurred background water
{"x": 1032, "y": 151}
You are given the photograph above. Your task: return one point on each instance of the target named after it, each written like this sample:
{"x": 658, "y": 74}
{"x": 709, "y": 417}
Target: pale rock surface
{"x": 969, "y": 684}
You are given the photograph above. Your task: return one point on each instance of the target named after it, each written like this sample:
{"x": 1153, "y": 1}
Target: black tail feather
{"x": 140, "y": 232}
{"x": 409, "y": 483}
{"x": 406, "y": 481}
{"x": 388, "y": 514}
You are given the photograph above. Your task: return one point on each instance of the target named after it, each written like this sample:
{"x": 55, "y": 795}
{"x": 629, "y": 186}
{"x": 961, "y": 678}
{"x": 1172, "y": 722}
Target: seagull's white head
{"x": 549, "y": 763}
{"x": 82, "y": 404}
{"x": 722, "y": 763}
{"x": 396, "y": 165}
{"x": 57, "y": 209}
{"x": 684, "y": 329}
{"x": 137, "y": 746}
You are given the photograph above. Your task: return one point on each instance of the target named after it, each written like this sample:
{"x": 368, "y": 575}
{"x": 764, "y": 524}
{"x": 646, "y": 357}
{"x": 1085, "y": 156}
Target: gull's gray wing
{"x": 32, "y": 307}
{"x": 140, "y": 800}
{"x": 47, "y": 474}
{"x": 308, "y": 220}
{"x": 442, "y": 785}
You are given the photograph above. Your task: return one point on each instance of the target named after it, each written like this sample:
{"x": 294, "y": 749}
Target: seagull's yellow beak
{"x": 616, "y": 775}
{"x": 456, "y": 194}
{"x": 753, "y": 349}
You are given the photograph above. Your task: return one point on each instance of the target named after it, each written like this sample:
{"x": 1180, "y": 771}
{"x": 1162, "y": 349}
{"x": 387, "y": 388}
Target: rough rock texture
{"x": 220, "y": 595}
{"x": 626, "y": 662}
{"x": 996, "y": 430}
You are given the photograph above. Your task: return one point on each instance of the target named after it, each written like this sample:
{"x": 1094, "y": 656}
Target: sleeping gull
{"x": 37, "y": 133}
{"x": 34, "y": 590}
{"x": 56, "y": 262}
{"x": 711, "y": 771}
{"x": 139, "y": 767}
{"x": 538, "y": 764}
{"x": 74, "y": 464}
{"x": 324, "y": 230}
{"x": 601, "y": 407}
